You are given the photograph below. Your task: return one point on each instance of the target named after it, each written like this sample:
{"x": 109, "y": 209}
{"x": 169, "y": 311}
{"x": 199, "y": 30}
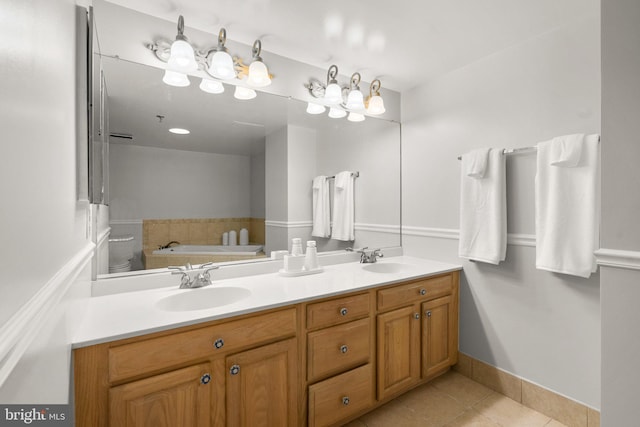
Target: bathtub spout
{"x": 168, "y": 245}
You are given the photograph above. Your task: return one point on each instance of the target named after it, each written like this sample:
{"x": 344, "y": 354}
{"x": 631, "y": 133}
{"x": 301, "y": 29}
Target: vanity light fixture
{"x": 211, "y": 86}
{"x": 374, "y": 102}
{"x": 175, "y": 78}
{"x": 355, "y": 99}
{"x": 182, "y": 56}
{"x": 355, "y": 117}
{"x": 221, "y": 65}
{"x": 332, "y": 92}
{"x": 337, "y": 113}
{"x": 313, "y": 108}
{"x": 244, "y": 93}
{"x": 258, "y": 72}
{"x": 179, "y": 131}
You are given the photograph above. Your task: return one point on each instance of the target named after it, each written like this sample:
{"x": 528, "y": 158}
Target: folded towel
{"x": 567, "y": 207}
{"x": 565, "y": 151}
{"x": 321, "y": 208}
{"x": 483, "y": 212}
{"x": 344, "y": 207}
{"x": 475, "y": 162}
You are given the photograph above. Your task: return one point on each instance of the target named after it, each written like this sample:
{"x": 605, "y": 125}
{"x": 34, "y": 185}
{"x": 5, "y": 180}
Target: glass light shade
{"x": 333, "y": 94}
{"x": 222, "y": 66}
{"x": 336, "y": 113}
{"x": 355, "y": 117}
{"x": 313, "y": 108}
{"x": 174, "y": 78}
{"x": 244, "y": 93}
{"x": 376, "y": 105}
{"x": 258, "y": 75}
{"x": 182, "y": 56}
{"x": 179, "y": 131}
{"x": 211, "y": 86}
{"x": 355, "y": 100}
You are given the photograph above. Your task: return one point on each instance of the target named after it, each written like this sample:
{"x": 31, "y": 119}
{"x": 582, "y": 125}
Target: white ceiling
{"x": 403, "y": 42}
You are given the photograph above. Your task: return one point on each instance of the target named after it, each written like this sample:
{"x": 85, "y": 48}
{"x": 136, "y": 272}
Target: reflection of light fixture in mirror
{"x": 355, "y": 99}
{"x": 333, "y": 92}
{"x": 179, "y": 131}
{"x": 258, "y": 72}
{"x": 182, "y": 56}
{"x": 174, "y": 78}
{"x": 221, "y": 62}
{"x": 374, "y": 102}
{"x": 355, "y": 117}
{"x": 244, "y": 93}
{"x": 336, "y": 113}
{"x": 313, "y": 108}
{"x": 211, "y": 86}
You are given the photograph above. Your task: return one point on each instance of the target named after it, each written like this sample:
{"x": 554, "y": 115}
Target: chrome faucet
{"x": 194, "y": 277}
{"x": 168, "y": 245}
{"x": 368, "y": 257}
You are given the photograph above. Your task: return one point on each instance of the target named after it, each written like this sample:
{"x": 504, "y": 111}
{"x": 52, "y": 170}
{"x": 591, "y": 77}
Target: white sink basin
{"x": 386, "y": 267}
{"x": 202, "y": 298}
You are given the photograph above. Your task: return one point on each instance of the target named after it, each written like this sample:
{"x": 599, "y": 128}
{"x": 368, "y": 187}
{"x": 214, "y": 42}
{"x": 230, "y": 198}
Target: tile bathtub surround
{"x": 562, "y": 409}
{"x": 198, "y": 231}
{"x": 454, "y": 400}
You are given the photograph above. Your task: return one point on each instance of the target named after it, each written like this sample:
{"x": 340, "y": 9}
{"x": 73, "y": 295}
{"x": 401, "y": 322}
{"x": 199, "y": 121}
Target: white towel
{"x": 483, "y": 212}
{"x": 475, "y": 162}
{"x": 567, "y": 208}
{"x": 565, "y": 151}
{"x": 321, "y": 208}
{"x": 344, "y": 207}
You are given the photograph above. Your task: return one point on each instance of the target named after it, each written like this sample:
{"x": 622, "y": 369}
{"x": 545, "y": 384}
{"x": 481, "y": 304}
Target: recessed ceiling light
{"x": 179, "y": 131}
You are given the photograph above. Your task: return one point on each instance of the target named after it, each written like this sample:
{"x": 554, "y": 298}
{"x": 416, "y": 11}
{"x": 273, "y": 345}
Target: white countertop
{"x": 124, "y": 315}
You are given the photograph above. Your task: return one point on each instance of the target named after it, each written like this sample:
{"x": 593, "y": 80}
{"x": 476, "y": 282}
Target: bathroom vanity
{"x": 318, "y": 350}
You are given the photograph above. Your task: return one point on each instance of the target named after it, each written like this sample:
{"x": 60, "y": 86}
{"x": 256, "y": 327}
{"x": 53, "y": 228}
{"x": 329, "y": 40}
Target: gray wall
{"x": 541, "y": 326}
{"x": 620, "y": 211}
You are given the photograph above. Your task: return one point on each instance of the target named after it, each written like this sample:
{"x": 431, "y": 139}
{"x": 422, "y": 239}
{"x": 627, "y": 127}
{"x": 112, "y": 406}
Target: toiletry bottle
{"x": 225, "y": 239}
{"x": 244, "y": 237}
{"x": 296, "y": 246}
{"x": 233, "y": 238}
{"x": 311, "y": 256}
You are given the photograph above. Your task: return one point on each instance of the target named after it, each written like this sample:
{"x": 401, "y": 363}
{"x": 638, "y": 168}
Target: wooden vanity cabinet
{"x": 417, "y": 332}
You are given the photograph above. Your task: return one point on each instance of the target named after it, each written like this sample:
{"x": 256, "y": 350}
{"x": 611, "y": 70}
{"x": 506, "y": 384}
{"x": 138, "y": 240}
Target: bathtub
{"x": 209, "y": 250}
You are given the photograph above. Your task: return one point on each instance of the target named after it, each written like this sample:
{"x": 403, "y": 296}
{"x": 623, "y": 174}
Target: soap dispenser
{"x": 311, "y": 256}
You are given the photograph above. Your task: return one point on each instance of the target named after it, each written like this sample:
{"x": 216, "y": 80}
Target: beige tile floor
{"x": 454, "y": 400}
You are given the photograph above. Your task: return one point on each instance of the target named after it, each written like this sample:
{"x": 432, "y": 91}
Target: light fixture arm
{"x": 256, "y": 49}
{"x": 222, "y": 39}
{"x": 355, "y": 81}
{"x": 374, "y": 89}
{"x": 332, "y": 73}
{"x": 180, "y": 35}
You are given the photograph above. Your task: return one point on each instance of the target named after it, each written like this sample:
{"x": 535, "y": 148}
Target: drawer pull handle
{"x": 428, "y": 313}
{"x": 343, "y": 311}
{"x": 219, "y": 343}
{"x": 205, "y": 378}
{"x": 344, "y": 349}
{"x": 423, "y": 291}
{"x": 345, "y": 400}
{"x": 235, "y": 370}
{"x": 416, "y": 316}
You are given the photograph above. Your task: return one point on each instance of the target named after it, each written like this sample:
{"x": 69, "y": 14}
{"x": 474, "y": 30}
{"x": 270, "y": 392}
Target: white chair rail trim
{"x": 618, "y": 258}
{"x": 454, "y": 234}
{"x": 19, "y": 331}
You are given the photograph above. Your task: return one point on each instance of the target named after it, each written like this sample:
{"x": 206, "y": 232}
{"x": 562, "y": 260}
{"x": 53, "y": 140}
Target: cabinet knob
{"x": 343, "y": 311}
{"x": 416, "y": 316}
{"x": 344, "y": 349}
{"x": 428, "y": 313}
{"x": 205, "y": 378}
{"x": 219, "y": 343}
{"x": 235, "y": 370}
{"x": 423, "y": 291}
{"x": 345, "y": 400}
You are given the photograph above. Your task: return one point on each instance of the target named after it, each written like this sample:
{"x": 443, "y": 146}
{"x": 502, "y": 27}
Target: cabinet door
{"x": 398, "y": 350}
{"x": 437, "y": 326}
{"x": 177, "y": 398}
{"x": 262, "y": 387}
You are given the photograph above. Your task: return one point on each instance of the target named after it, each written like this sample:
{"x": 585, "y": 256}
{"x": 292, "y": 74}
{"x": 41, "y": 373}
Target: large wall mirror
{"x": 244, "y": 164}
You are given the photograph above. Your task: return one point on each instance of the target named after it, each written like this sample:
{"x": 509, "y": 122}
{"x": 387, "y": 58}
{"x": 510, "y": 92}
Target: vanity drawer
{"x": 415, "y": 291}
{"x": 336, "y": 349}
{"x": 156, "y": 354}
{"x": 339, "y": 397}
{"x": 336, "y": 311}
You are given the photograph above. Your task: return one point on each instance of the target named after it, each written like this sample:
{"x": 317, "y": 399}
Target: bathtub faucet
{"x": 168, "y": 245}
{"x": 194, "y": 277}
